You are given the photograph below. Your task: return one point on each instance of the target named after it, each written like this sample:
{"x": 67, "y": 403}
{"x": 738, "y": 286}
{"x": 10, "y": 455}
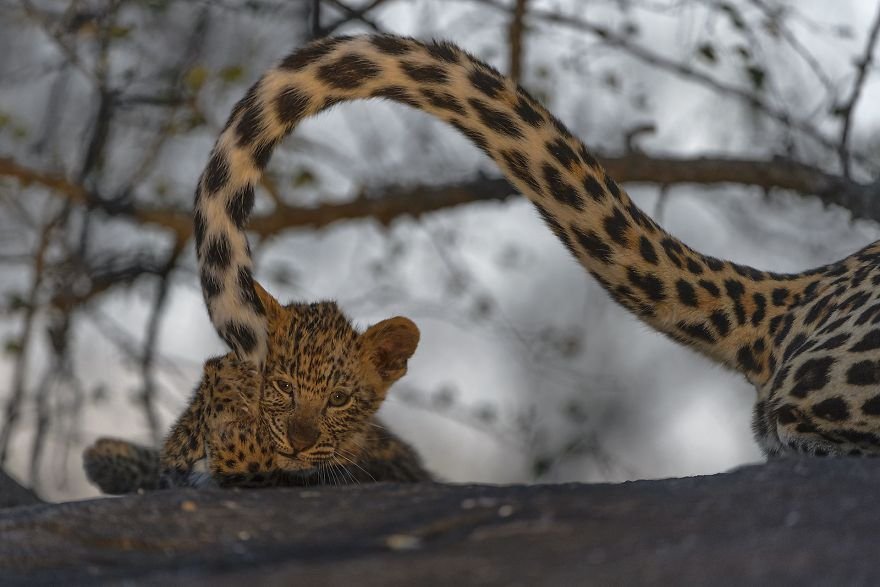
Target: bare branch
{"x": 148, "y": 392}
{"x": 391, "y": 202}
{"x": 60, "y": 41}
{"x": 680, "y": 69}
{"x": 773, "y": 14}
{"x": 847, "y": 110}
{"x": 19, "y": 371}
{"x": 515, "y": 39}
{"x": 352, "y": 14}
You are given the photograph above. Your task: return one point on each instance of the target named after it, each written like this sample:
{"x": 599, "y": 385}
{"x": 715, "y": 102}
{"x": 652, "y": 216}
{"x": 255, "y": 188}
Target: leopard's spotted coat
{"x": 809, "y": 342}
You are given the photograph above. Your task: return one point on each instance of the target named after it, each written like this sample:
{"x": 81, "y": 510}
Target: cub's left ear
{"x": 388, "y": 345}
{"x": 271, "y": 306}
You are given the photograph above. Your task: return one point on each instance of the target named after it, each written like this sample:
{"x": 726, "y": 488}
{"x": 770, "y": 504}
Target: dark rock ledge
{"x": 12, "y": 494}
{"x": 789, "y": 522}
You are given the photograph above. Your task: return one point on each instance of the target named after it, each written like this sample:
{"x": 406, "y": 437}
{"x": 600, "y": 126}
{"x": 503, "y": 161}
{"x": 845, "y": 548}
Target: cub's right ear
{"x": 389, "y": 344}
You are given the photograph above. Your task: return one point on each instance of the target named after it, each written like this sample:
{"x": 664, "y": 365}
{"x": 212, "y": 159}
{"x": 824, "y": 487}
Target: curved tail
{"x": 727, "y": 311}
{"x": 118, "y": 466}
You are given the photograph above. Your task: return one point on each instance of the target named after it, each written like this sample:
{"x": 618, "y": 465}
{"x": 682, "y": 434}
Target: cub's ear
{"x": 389, "y": 344}
{"x": 273, "y": 309}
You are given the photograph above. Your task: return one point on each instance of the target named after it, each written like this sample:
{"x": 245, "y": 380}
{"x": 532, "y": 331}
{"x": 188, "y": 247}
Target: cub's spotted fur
{"x": 306, "y": 419}
{"x": 809, "y": 342}
{"x": 118, "y": 466}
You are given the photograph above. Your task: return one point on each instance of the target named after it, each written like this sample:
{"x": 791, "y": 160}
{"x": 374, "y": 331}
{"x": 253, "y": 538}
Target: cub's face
{"x": 324, "y": 381}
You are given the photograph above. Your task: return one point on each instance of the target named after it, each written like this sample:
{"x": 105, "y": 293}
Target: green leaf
{"x": 303, "y": 178}
{"x": 733, "y": 14}
{"x": 12, "y": 346}
{"x": 16, "y": 302}
{"x": 231, "y": 74}
{"x": 541, "y": 466}
{"x": 772, "y": 28}
{"x": 119, "y": 31}
{"x": 743, "y": 52}
{"x": 196, "y": 77}
{"x": 192, "y": 120}
{"x": 707, "y": 52}
{"x": 757, "y": 76}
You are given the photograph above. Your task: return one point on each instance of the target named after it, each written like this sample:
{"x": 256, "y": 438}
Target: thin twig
{"x": 66, "y": 49}
{"x": 680, "y": 69}
{"x": 19, "y": 370}
{"x": 43, "y": 418}
{"x": 350, "y": 15}
{"x": 796, "y": 45}
{"x": 148, "y": 391}
{"x": 848, "y": 108}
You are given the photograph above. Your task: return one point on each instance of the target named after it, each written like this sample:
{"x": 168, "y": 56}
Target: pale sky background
{"x": 672, "y": 414}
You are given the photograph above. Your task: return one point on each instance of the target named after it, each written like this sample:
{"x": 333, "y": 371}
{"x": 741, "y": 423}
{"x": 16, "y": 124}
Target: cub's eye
{"x": 339, "y": 399}
{"x": 284, "y": 386}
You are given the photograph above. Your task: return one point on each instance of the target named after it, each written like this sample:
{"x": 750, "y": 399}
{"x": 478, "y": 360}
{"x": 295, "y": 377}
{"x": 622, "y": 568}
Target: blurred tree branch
{"x": 683, "y": 70}
{"x": 148, "y": 391}
{"x": 515, "y": 39}
{"x": 847, "y": 109}
{"x": 388, "y": 203}
{"x": 359, "y": 14}
{"x": 12, "y": 412}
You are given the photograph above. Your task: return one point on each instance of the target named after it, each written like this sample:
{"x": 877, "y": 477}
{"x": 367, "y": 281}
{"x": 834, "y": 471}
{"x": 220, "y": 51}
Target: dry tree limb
{"x": 386, "y": 204}
{"x": 847, "y": 110}
{"x": 516, "y": 32}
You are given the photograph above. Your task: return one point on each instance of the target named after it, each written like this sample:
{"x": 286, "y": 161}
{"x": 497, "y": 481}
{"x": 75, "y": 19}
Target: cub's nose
{"x": 301, "y": 435}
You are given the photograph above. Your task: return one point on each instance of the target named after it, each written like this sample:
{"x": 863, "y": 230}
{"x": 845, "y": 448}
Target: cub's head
{"x": 324, "y": 380}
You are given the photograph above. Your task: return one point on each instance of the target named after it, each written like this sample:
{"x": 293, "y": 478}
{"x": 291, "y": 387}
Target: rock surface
{"x": 789, "y": 522}
{"x": 13, "y": 494}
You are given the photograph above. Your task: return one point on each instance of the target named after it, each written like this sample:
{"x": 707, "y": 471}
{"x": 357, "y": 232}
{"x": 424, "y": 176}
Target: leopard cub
{"x": 306, "y": 418}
